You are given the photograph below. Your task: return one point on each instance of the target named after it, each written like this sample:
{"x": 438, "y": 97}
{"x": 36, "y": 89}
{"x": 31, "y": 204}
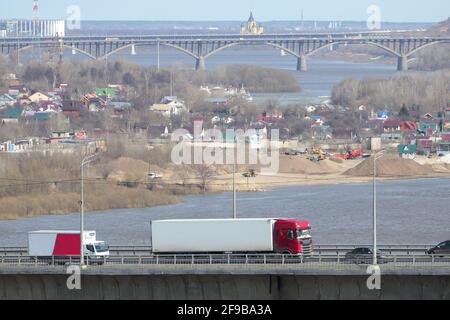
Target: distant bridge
{"x": 200, "y": 47}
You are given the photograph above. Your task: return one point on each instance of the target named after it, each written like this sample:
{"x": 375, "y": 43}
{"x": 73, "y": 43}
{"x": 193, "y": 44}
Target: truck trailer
{"x": 58, "y": 243}
{"x": 267, "y": 235}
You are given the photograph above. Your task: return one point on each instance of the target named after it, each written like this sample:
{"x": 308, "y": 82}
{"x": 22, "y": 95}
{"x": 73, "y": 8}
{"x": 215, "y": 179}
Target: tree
{"x": 404, "y": 113}
{"x": 204, "y": 173}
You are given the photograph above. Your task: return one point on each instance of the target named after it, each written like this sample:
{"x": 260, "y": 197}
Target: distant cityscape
{"x": 53, "y": 28}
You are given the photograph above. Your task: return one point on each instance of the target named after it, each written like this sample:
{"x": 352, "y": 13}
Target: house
{"x": 93, "y": 103}
{"x": 42, "y": 116}
{"x": 217, "y": 102}
{"x": 72, "y": 108}
{"x": 424, "y": 146}
{"x": 169, "y": 106}
{"x": 391, "y": 126}
{"x": 107, "y": 92}
{"x": 392, "y": 136}
{"x": 406, "y": 126}
{"x": 428, "y": 127}
{"x": 6, "y": 100}
{"x": 11, "y": 115}
{"x": 316, "y": 119}
{"x": 18, "y": 91}
{"x": 270, "y": 117}
{"x": 17, "y": 146}
{"x": 47, "y": 106}
{"x": 38, "y": 96}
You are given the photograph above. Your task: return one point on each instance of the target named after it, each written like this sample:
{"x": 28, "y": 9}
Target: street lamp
{"x": 85, "y": 161}
{"x": 234, "y": 178}
{"x": 375, "y": 158}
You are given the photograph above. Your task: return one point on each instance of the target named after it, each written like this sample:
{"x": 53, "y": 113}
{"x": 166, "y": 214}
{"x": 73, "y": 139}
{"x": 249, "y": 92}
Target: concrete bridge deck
{"x": 322, "y": 270}
{"x": 224, "y": 282}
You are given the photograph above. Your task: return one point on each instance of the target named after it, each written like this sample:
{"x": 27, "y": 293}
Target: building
{"x": 38, "y": 97}
{"x": 169, "y": 106}
{"x": 251, "y": 27}
{"x": 11, "y": 115}
{"x": 6, "y": 100}
{"x": 27, "y": 28}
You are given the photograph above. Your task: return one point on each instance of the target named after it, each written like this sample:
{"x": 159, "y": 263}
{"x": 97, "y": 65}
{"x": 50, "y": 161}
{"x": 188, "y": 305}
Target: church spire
{"x": 251, "y": 19}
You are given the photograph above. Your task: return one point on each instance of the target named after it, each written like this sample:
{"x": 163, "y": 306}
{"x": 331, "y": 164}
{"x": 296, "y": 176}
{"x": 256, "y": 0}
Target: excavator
{"x": 317, "y": 154}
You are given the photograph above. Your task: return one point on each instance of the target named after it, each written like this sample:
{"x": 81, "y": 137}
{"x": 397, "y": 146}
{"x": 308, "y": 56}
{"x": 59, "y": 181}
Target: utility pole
{"x": 234, "y": 178}
{"x": 375, "y": 158}
{"x": 84, "y": 162}
{"x": 158, "y": 56}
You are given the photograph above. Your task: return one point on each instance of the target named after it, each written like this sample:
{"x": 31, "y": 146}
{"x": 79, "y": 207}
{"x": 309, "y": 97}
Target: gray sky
{"x": 264, "y": 10}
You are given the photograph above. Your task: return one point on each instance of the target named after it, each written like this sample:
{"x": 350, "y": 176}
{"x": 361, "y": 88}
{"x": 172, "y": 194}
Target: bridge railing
{"x": 323, "y": 249}
{"x": 231, "y": 259}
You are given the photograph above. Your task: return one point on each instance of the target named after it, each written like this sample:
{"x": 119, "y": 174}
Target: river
{"x": 409, "y": 212}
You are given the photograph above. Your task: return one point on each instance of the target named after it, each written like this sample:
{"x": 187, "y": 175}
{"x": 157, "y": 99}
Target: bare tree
{"x": 204, "y": 173}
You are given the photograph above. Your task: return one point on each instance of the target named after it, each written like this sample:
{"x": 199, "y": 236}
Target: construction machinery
{"x": 250, "y": 173}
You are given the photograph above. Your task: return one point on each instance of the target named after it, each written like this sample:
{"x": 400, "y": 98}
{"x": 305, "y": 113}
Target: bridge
{"x": 134, "y": 273}
{"x": 200, "y": 47}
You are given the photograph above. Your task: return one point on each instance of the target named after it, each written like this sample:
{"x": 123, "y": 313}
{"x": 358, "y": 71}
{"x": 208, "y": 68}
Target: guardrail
{"x": 229, "y": 259}
{"x": 325, "y": 249}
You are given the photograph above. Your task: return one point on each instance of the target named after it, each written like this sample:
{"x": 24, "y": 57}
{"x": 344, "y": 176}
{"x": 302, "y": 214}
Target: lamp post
{"x": 234, "y": 178}
{"x": 85, "y": 161}
{"x": 375, "y": 158}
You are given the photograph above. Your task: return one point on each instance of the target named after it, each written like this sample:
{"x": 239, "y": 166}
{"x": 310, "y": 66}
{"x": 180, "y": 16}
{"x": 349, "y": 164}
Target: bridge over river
{"x": 134, "y": 273}
{"x": 200, "y": 47}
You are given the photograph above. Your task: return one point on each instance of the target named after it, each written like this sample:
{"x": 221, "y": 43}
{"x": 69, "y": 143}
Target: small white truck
{"x": 58, "y": 243}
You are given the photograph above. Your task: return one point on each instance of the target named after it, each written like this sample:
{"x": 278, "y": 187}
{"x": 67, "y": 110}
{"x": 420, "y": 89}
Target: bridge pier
{"x": 301, "y": 63}
{"x": 402, "y": 64}
{"x": 200, "y": 63}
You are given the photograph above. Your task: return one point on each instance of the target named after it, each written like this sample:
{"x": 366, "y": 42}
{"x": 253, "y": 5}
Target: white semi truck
{"x": 266, "y": 235}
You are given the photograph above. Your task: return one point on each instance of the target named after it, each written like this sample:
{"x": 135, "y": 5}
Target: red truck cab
{"x": 292, "y": 236}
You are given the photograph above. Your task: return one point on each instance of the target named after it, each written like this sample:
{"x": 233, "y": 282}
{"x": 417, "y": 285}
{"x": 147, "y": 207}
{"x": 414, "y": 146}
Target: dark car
{"x": 442, "y": 248}
{"x": 365, "y": 255}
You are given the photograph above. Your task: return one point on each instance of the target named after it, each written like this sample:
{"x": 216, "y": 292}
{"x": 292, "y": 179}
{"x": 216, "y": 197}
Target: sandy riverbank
{"x": 125, "y": 182}
{"x": 296, "y": 170}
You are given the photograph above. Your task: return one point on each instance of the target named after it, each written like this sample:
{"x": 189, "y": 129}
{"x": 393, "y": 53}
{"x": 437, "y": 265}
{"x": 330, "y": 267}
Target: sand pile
{"x": 445, "y": 159}
{"x": 390, "y": 166}
{"x": 301, "y": 165}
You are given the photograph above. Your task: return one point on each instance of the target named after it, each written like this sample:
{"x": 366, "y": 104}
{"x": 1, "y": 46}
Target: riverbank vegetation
{"x": 428, "y": 92}
{"x": 36, "y": 184}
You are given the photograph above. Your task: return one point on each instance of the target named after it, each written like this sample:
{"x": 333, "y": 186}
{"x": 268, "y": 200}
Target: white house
{"x": 169, "y": 106}
{"x": 6, "y": 100}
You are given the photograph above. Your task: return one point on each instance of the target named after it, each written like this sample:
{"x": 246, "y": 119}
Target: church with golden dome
{"x": 251, "y": 27}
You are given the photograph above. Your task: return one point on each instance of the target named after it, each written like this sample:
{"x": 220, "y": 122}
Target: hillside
{"x": 440, "y": 29}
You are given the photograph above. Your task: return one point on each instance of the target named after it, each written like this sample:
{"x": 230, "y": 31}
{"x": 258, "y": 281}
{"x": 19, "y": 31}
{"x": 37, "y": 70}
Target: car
{"x": 154, "y": 176}
{"x": 442, "y": 248}
{"x": 365, "y": 255}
